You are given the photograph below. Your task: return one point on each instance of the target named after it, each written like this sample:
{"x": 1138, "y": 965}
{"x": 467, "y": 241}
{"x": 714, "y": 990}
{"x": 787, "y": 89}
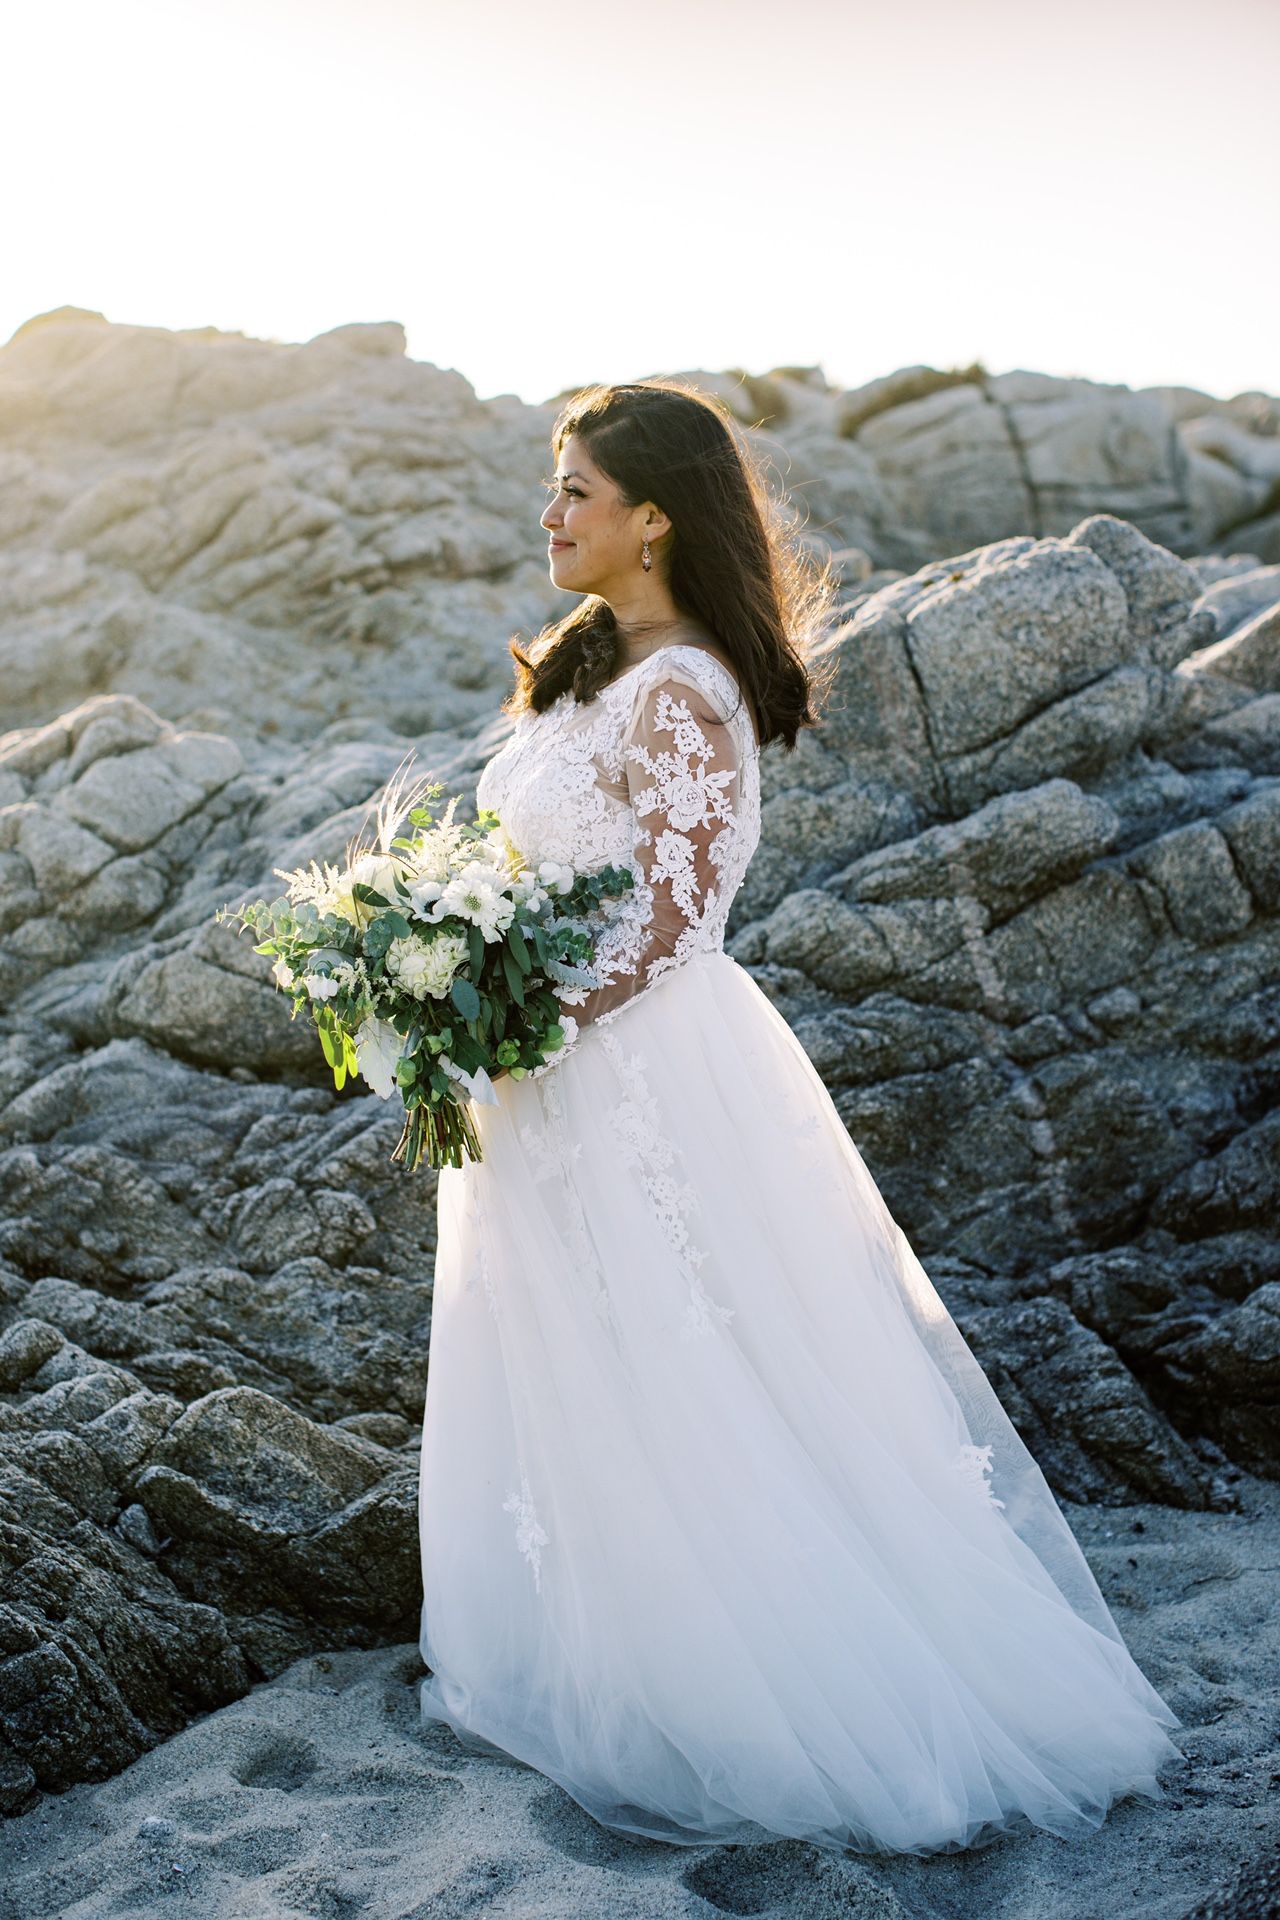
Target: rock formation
{"x": 1030, "y": 940}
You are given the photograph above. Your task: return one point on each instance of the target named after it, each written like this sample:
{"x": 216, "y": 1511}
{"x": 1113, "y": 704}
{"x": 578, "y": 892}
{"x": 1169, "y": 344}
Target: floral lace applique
{"x": 687, "y": 795}
{"x": 649, "y": 776}
{"x": 637, "y": 1126}
{"x": 478, "y": 1271}
{"x": 562, "y": 1154}
{"x": 546, "y": 1157}
{"x": 672, "y": 912}
{"x": 545, "y": 783}
{"x": 531, "y": 1535}
{"x": 974, "y": 1464}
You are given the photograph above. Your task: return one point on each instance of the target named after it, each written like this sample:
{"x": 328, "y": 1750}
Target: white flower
{"x": 476, "y": 894}
{"x": 528, "y": 890}
{"x": 553, "y": 1060}
{"x": 506, "y": 853}
{"x": 379, "y": 871}
{"x": 490, "y": 852}
{"x": 436, "y": 853}
{"x": 350, "y": 974}
{"x": 433, "y": 857}
{"x": 319, "y": 986}
{"x": 320, "y": 886}
{"x": 343, "y": 902}
{"x": 378, "y": 1048}
{"x": 421, "y": 967}
{"x": 282, "y": 973}
{"x": 424, "y": 894}
{"x": 555, "y": 876}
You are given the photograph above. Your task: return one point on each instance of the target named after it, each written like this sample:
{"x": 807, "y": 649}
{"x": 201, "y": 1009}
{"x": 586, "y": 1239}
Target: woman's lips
{"x": 556, "y": 546}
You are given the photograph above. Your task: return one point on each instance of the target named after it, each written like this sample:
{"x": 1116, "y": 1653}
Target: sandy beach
{"x": 320, "y": 1796}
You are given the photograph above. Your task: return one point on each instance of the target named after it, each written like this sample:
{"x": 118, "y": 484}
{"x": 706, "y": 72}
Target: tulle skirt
{"x": 723, "y": 1527}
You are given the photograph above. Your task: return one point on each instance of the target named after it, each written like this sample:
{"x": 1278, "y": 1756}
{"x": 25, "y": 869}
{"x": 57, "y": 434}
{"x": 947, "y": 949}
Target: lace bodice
{"x": 659, "y": 772}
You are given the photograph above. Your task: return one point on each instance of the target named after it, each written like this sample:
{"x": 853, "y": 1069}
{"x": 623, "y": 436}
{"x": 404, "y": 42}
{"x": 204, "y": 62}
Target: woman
{"x": 723, "y": 1527}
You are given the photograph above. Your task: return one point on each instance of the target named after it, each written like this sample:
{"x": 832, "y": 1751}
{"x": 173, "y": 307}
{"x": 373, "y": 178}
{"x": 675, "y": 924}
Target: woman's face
{"x": 594, "y": 542}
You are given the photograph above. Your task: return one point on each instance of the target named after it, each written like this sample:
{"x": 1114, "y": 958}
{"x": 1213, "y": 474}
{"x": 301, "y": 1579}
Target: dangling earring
{"x": 646, "y": 559}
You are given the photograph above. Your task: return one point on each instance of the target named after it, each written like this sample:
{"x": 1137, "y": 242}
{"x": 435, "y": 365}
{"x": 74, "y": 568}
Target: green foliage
{"x": 499, "y": 1015}
{"x": 465, "y": 999}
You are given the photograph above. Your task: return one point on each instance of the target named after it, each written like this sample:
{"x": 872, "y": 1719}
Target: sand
{"x": 321, "y": 1796}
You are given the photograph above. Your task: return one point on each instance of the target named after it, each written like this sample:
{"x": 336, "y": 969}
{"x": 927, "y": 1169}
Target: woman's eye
{"x": 553, "y": 486}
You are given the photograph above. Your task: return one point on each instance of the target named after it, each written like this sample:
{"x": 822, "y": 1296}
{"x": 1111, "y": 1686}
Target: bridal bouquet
{"x": 428, "y": 962}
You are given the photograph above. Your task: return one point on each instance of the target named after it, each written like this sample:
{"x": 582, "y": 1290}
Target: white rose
{"x": 377, "y": 870}
{"x": 318, "y": 986}
{"x": 378, "y": 1049}
{"x": 282, "y": 973}
{"x": 343, "y": 902}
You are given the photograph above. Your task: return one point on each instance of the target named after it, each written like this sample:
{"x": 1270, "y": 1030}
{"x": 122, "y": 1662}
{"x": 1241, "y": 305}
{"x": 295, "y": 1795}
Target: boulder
{"x": 1018, "y": 895}
{"x": 1089, "y": 1425}
{"x": 267, "y": 1509}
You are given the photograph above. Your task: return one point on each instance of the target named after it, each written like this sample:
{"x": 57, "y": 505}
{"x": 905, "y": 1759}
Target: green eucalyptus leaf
{"x": 465, "y": 998}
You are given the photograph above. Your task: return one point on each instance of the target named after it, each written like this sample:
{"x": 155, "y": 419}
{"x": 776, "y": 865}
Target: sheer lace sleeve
{"x": 683, "y": 772}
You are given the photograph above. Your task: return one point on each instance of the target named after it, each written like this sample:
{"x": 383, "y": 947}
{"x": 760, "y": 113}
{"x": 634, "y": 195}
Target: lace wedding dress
{"x": 723, "y": 1527}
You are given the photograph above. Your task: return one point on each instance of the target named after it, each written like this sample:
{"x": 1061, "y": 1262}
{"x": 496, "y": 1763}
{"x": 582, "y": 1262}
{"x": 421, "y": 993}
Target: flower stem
{"x": 439, "y": 1135}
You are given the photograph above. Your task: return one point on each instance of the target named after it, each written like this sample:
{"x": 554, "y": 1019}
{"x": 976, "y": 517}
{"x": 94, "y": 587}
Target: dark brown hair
{"x": 735, "y": 563}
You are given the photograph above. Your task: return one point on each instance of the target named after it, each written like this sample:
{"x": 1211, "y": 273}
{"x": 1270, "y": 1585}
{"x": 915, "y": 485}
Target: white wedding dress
{"x": 723, "y": 1527}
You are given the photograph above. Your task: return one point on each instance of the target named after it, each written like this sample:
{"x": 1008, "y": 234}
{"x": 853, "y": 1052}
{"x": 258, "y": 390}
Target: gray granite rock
{"x": 1017, "y": 896}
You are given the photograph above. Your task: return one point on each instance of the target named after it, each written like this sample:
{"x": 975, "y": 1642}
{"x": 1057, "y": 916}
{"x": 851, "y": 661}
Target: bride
{"x": 723, "y": 1527}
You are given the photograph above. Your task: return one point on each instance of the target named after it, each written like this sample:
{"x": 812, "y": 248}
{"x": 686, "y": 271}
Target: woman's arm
{"x": 683, "y": 776}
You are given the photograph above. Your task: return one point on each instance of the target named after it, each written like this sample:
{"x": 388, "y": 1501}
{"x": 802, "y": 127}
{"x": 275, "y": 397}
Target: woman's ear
{"x": 656, "y": 522}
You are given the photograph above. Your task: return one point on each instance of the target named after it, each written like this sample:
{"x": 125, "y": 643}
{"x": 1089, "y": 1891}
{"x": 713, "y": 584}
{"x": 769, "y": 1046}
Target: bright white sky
{"x": 550, "y": 194}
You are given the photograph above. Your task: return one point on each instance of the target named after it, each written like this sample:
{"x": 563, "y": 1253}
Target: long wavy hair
{"x": 734, "y": 560}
